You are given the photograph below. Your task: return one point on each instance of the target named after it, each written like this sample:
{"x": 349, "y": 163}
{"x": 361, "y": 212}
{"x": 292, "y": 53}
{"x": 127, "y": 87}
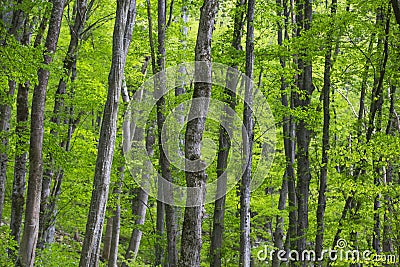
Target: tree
{"x": 303, "y": 99}
{"x": 225, "y": 143}
{"x": 248, "y": 122}
{"x": 31, "y": 227}
{"x": 326, "y": 91}
{"x": 124, "y": 22}
{"x": 52, "y": 174}
{"x": 191, "y": 234}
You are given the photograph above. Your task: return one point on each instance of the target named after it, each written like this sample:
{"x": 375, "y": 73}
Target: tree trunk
{"x": 107, "y": 239}
{"x": 290, "y": 158}
{"x": 387, "y": 245}
{"x": 170, "y": 218}
{"x": 116, "y": 219}
{"x": 21, "y": 148}
{"x": 396, "y": 8}
{"x": 139, "y": 203}
{"x": 245, "y": 245}
{"x": 191, "y": 235}
{"x": 287, "y": 140}
{"x": 18, "y": 19}
{"x": 31, "y": 228}
{"x": 323, "y": 180}
{"x": 225, "y": 143}
{"x": 302, "y": 132}
{"x": 48, "y": 204}
{"x": 376, "y": 107}
{"x": 125, "y": 17}
{"x": 21, "y": 155}
{"x": 5, "y": 115}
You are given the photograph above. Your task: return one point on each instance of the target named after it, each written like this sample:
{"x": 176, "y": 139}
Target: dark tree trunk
{"x": 290, "y": 157}
{"x": 288, "y": 140}
{"x": 159, "y": 249}
{"x": 376, "y": 123}
{"x": 30, "y": 235}
{"x": 323, "y": 180}
{"x": 170, "y": 218}
{"x": 245, "y": 243}
{"x": 17, "y": 22}
{"x": 396, "y": 9}
{"x": 303, "y": 137}
{"x": 225, "y": 143}
{"x": 125, "y": 17}
{"x": 21, "y": 155}
{"x": 191, "y": 234}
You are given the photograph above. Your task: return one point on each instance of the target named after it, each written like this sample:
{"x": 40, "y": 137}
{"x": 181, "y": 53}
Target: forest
{"x": 196, "y": 133}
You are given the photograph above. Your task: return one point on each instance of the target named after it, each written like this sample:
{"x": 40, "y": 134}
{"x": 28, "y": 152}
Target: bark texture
{"x": 225, "y": 143}
{"x": 191, "y": 234}
{"x": 125, "y": 17}
{"x": 31, "y": 228}
{"x": 52, "y": 174}
{"x": 303, "y": 137}
{"x": 323, "y": 179}
{"x": 248, "y": 122}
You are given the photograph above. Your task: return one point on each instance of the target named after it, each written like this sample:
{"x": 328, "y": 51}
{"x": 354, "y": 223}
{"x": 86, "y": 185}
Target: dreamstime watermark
{"x": 341, "y": 253}
{"x": 140, "y": 117}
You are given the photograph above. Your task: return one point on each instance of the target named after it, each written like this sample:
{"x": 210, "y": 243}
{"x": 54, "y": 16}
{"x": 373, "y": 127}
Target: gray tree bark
{"x": 248, "y": 122}
{"x": 116, "y": 219}
{"x": 170, "y": 218}
{"x": 22, "y": 145}
{"x": 225, "y": 143}
{"x": 139, "y": 203}
{"x": 52, "y": 174}
{"x": 125, "y": 17}
{"x": 191, "y": 234}
{"x": 31, "y": 227}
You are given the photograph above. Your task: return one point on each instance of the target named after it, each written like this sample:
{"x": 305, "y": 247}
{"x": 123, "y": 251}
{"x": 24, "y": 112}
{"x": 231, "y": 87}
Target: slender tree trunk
{"x": 125, "y": 17}
{"x": 48, "y": 204}
{"x": 170, "y": 218}
{"x": 245, "y": 243}
{"x": 18, "y": 193}
{"x": 139, "y": 203}
{"x": 116, "y": 225}
{"x": 290, "y": 158}
{"x": 18, "y": 21}
{"x": 191, "y": 234}
{"x": 387, "y": 245}
{"x": 396, "y": 9}
{"x": 31, "y": 228}
{"x": 225, "y": 143}
{"x": 21, "y": 147}
{"x": 288, "y": 142}
{"x": 304, "y": 19}
{"x": 323, "y": 180}
{"x": 159, "y": 250}
{"x": 107, "y": 240}
{"x": 139, "y": 206}
{"x": 5, "y": 115}
{"x": 376, "y": 107}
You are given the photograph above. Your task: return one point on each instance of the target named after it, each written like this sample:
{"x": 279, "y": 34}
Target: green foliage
{"x": 8, "y": 247}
